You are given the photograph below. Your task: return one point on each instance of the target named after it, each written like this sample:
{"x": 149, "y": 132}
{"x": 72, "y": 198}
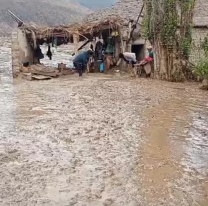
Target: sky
{"x": 96, "y": 4}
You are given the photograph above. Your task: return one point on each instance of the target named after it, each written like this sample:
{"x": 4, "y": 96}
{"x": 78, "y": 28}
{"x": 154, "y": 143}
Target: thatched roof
{"x": 47, "y": 32}
{"x": 84, "y": 29}
{"x": 129, "y": 9}
{"x": 87, "y": 27}
{"x": 123, "y": 9}
{"x": 110, "y": 18}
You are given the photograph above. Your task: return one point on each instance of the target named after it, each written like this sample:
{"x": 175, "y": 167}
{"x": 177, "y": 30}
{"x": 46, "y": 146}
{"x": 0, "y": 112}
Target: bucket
{"x": 102, "y": 67}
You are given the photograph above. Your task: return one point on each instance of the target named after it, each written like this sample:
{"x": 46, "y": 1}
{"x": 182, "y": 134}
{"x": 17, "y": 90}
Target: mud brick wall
{"x": 198, "y": 35}
{"x": 15, "y": 54}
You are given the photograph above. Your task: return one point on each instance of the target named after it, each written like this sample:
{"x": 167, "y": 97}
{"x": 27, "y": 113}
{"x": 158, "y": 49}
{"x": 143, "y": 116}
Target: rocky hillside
{"x": 41, "y": 12}
{"x": 96, "y": 4}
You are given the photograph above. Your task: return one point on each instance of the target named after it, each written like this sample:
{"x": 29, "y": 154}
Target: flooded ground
{"x": 102, "y": 140}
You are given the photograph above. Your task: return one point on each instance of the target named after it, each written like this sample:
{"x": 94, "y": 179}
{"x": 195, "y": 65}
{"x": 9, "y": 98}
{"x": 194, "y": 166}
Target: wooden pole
{"x": 137, "y": 21}
{"x": 76, "y": 43}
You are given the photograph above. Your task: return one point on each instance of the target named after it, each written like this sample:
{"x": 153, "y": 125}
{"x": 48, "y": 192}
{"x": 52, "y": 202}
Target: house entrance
{"x": 139, "y": 51}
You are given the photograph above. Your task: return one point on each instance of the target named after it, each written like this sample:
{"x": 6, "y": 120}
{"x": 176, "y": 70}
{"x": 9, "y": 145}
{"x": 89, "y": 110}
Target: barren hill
{"x": 41, "y": 12}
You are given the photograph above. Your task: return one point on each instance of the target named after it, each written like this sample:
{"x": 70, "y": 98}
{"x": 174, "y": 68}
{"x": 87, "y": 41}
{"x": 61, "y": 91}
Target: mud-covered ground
{"x": 102, "y": 140}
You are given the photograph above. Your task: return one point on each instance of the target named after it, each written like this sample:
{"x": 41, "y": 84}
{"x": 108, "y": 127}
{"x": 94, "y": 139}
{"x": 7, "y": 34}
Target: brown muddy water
{"x": 101, "y": 140}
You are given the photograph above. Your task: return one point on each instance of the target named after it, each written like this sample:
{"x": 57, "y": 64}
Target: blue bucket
{"x": 102, "y": 67}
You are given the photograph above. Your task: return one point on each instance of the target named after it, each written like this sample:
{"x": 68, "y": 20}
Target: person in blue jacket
{"x": 81, "y": 60}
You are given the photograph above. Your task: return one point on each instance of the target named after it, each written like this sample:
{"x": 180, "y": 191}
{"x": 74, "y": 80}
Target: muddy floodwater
{"x": 101, "y": 141}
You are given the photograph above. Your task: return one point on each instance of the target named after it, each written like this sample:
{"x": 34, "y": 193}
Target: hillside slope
{"x": 96, "y": 4}
{"x": 41, "y": 12}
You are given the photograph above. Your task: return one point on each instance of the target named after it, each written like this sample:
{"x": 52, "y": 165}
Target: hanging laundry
{"x": 38, "y": 53}
{"x": 49, "y": 53}
{"x": 98, "y": 50}
{"x": 110, "y": 47}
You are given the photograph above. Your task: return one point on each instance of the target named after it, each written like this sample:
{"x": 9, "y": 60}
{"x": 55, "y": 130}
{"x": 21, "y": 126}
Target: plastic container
{"x": 102, "y": 67}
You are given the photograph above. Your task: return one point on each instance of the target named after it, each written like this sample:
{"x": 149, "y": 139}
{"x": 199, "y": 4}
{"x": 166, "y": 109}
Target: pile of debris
{"x": 41, "y": 72}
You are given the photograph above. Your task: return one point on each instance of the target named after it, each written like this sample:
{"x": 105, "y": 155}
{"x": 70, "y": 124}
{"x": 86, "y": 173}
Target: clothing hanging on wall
{"x": 99, "y": 50}
{"x": 49, "y": 53}
{"x": 110, "y": 47}
{"x": 38, "y": 53}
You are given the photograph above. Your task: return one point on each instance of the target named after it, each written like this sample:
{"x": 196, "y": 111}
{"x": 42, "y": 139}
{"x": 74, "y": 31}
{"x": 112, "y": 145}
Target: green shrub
{"x": 201, "y": 69}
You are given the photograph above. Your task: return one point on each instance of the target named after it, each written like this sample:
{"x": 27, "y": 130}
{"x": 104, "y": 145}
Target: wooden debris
{"x": 67, "y": 71}
{"x": 30, "y": 77}
{"x": 26, "y": 76}
{"x": 41, "y": 77}
{"x": 25, "y": 69}
{"x": 43, "y": 70}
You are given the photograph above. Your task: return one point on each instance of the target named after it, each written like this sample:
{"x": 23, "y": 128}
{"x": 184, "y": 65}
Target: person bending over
{"x": 81, "y": 60}
{"x": 128, "y": 57}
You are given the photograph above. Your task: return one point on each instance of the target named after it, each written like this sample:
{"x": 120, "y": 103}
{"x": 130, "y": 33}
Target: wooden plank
{"x": 41, "y": 77}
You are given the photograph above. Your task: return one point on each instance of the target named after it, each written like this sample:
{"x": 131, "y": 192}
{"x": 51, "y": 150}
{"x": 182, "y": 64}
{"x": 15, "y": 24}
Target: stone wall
{"x": 15, "y": 54}
{"x": 25, "y": 49}
{"x": 198, "y": 36}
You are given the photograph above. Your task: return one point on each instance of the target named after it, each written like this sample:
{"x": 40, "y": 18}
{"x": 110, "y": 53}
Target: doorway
{"x": 139, "y": 51}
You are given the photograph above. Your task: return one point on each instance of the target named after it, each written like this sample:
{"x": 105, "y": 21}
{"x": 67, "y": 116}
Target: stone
{"x": 108, "y": 202}
{"x": 133, "y": 203}
{"x": 205, "y": 82}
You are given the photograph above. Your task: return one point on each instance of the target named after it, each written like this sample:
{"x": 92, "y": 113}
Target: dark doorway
{"x": 139, "y": 51}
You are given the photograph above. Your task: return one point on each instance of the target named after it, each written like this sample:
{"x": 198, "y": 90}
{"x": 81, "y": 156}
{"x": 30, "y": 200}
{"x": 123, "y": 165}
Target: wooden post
{"x": 129, "y": 30}
{"x": 76, "y": 43}
{"x": 123, "y": 64}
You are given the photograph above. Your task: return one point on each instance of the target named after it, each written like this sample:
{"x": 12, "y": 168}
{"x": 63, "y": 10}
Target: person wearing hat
{"x": 149, "y": 58}
{"x": 150, "y": 52}
{"x": 81, "y": 60}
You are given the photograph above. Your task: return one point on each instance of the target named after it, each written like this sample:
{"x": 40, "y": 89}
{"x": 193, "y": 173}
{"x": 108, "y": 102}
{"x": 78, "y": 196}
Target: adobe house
{"x": 200, "y": 30}
{"x": 131, "y": 13}
{"x": 121, "y": 19}
{"x": 27, "y": 39}
{"x": 130, "y": 9}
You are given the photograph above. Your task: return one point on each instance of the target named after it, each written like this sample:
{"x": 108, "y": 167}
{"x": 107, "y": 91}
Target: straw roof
{"x": 123, "y": 9}
{"x": 47, "y": 32}
{"x": 92, "y": 27}
{"x": 82, "y": 29}
{"x": 110, "y": 18}
{"x": 129, "y": 9}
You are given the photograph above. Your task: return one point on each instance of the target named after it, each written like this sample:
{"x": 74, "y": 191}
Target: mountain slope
{"x": 96, "y": 4}
{"x": 41, "y": 12}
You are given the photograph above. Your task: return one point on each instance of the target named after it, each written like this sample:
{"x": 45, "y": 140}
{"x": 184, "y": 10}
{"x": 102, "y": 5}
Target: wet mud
{"x": 102, "y": 140}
